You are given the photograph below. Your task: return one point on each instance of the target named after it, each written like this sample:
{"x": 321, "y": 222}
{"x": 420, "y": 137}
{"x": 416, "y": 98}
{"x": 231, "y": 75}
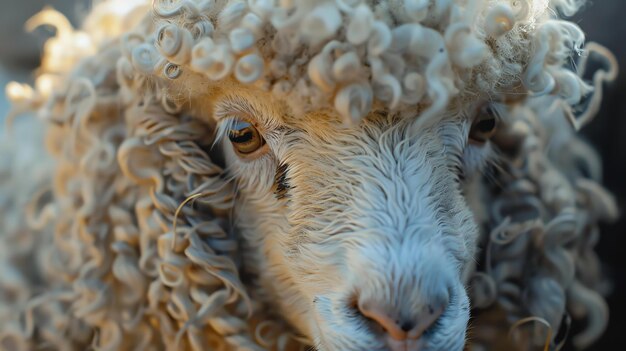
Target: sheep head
{"x": 358, "y": 235}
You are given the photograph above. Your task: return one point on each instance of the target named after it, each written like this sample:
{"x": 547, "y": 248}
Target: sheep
{"x": 328, "y": 174}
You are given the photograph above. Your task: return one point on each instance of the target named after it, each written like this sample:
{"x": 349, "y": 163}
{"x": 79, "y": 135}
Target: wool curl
{"x": 119, "y": 264}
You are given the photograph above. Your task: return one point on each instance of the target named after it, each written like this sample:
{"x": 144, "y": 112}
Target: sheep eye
{"x": 484, "y": 126}
{"x": 245, "y": 138}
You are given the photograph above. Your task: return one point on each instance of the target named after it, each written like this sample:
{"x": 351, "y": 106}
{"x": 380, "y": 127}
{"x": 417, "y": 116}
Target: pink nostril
{"x": 382, "y": 318}
{"x": 428, "y": 317}
{"x": 400, "y": 329}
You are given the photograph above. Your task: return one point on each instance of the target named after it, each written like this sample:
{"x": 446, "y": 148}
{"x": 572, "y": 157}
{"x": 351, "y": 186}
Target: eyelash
{"x": 226, "y": 123}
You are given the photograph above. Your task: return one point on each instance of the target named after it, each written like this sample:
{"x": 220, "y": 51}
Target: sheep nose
{"x": 395, "y": 326}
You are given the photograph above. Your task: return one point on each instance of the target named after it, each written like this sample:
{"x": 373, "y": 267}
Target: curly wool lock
{"x": 349, "y": 55}
{"x": 114, "y": 271}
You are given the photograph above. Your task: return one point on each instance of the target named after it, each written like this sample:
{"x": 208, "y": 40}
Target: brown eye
{"x": 245, "y": 138}
{"x": 484, "y": 126}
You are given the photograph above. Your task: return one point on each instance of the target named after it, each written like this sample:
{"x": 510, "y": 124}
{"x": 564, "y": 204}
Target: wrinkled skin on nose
{"x": 365, "y": 247}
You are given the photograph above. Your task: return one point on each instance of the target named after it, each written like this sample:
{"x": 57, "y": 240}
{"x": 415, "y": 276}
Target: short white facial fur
{"x": 343, "y": 227}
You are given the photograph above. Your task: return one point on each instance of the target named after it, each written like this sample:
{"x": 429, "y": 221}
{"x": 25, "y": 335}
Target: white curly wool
{"x": 345, "y": 54}
{"x": 116, "y": 260}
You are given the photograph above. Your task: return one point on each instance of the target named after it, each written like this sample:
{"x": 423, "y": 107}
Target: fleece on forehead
{"x": 352, "y": 55}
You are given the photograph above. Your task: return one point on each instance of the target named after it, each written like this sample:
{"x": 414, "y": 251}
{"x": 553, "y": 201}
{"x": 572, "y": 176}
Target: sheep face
{"x": 358, "y": 235}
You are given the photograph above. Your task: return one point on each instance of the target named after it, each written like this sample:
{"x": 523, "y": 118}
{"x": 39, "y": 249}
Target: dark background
{"x": 604, "y": 21}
